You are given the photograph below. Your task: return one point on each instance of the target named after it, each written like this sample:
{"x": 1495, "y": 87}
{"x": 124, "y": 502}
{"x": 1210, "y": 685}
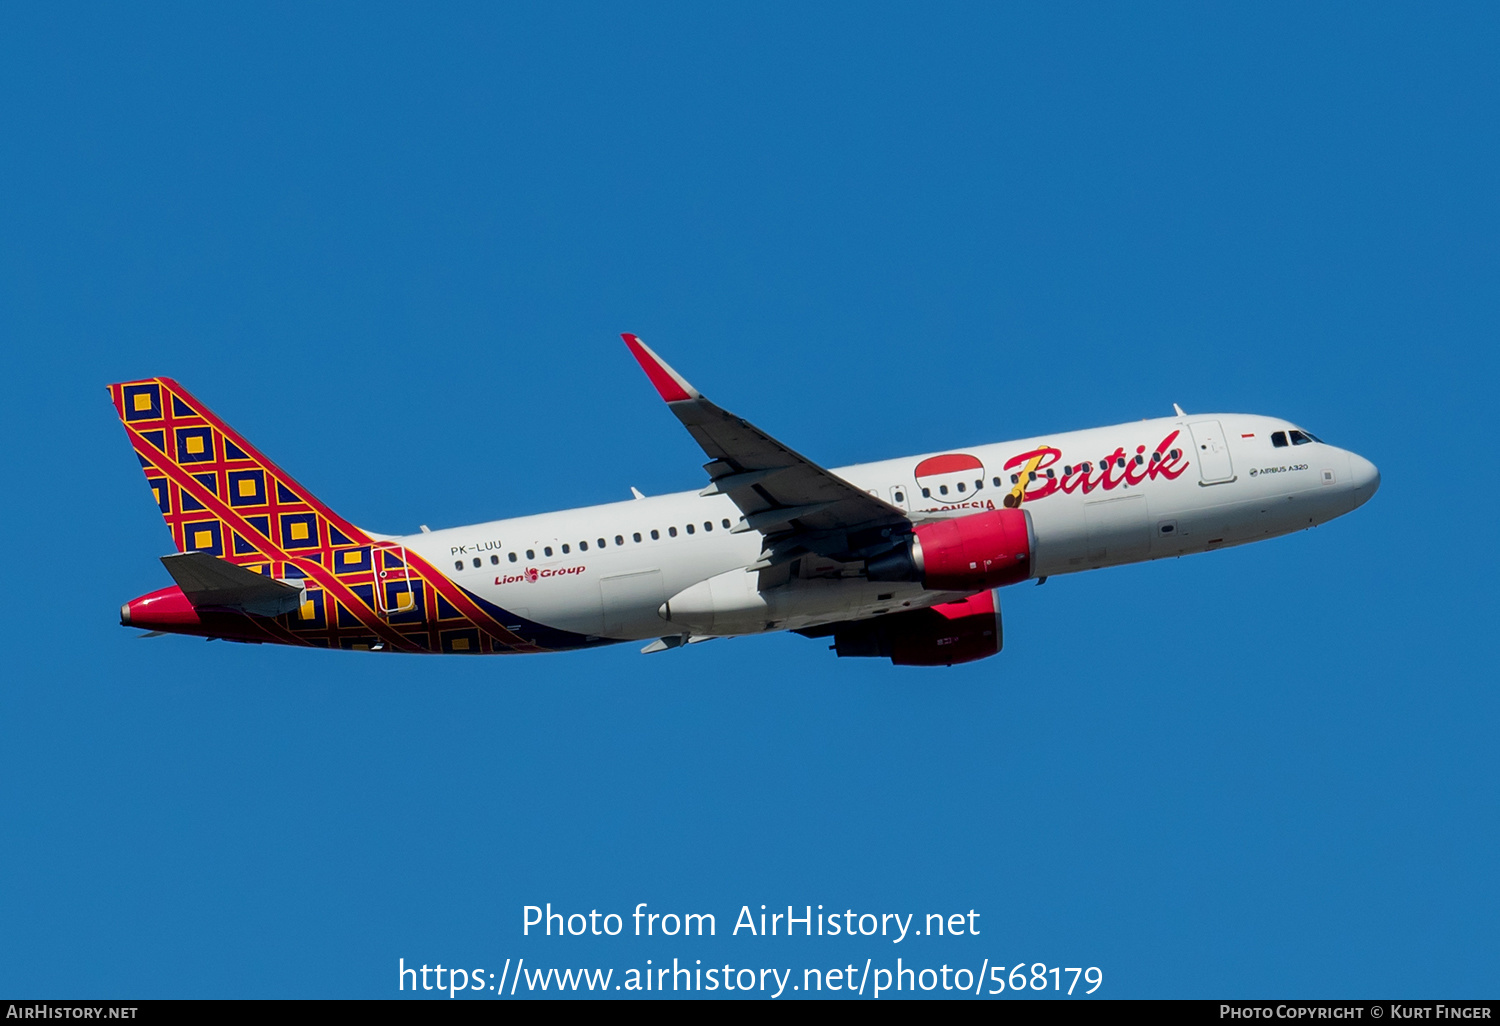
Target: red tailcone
{"x": 164, "y": 610}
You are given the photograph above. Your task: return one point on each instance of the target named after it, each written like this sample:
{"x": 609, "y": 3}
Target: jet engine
{"x": 983, "y": 550}
{"x": 954, "y": 632}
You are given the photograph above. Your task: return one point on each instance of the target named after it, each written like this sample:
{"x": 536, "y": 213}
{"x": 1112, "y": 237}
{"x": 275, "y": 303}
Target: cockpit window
{"x": 1278, "y": 439}
{"x": 1298, "y": 438}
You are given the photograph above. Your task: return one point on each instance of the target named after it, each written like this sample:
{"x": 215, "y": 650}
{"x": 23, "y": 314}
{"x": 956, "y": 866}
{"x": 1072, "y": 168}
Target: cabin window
{"x": 1015, "y": 479}
{"x": 1086, "y": 467}
{"x": 689, "y": 528}
{"x": 601, "y": 543}
{"x": 494, "y": 561}
{"x": 619, "y": 539}
{"x": 655, "y": 535}
{"x": 565, "y": 548}
{"x": 1156, "y": 457}
{"x": 899, "y": 497}
{"x": 512, "y": 557}
{"x": 636, "y": 536}
{"x": 583, "y": 546}
{"x": 531, "y": 553}
{"x": 547, "y": 550}
{"x": 1067, "y": 469}
{"x": 1278, "y": 439}
{"x": 708, "y": 525}
{"x": 942, "y": 489}
{"x": 1298, "y": 438}
{"x": 962, "y": 487}
{"x": 1120, "y": 462}
{"x": 1176, "y": 454}
{"x": 1139, "y": 460}
{"x": 725, "y": 522}
{"x": 478, "y": 562}
{"x": 926, "y": 493}
{"x": 997, "y": 483}
{"x": 979, "y": 484}
{"x": 1050, "y": 474}
{"x": 458, "y": 564}
{"x": 671, "y": 532}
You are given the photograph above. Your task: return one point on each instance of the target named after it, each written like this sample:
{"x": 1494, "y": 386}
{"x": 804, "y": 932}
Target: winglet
{"x": 672, "y": 386}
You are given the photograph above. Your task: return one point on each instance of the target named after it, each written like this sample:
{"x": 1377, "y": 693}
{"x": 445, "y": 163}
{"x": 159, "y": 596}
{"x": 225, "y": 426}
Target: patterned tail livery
{"x": 220, "y": 496}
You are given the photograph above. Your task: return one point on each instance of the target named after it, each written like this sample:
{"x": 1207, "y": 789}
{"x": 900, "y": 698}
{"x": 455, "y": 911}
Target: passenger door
{"x": 1214, "y": 464}
{"x": 396, "y": 587}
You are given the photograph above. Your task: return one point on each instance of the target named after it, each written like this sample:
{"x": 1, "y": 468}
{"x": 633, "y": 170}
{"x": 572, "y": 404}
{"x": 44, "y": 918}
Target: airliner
{"x": 900, "y": 559}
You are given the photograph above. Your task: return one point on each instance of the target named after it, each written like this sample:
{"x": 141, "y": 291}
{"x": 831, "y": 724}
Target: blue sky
{"x": 395, "y": 248}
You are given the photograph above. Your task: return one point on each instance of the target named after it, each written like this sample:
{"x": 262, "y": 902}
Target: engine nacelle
{"x": 954, "y": 632}
{"x": 983, "y": 550}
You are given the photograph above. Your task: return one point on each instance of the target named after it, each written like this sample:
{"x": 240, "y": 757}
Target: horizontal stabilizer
{"x": 209, "y": 581}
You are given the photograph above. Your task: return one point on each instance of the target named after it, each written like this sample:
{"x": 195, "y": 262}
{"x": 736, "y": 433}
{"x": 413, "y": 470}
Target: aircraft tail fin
{"x": 218, "y": 494}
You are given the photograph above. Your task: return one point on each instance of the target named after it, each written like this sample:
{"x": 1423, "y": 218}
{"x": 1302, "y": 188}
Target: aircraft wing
{"x": 797, "y": 505}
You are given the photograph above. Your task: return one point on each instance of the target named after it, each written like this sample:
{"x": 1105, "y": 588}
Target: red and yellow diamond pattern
{"x": 219, "y": 495}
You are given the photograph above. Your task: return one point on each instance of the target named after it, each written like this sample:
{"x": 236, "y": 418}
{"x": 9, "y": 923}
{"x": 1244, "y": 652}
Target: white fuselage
{"x": 1187, "y": 484}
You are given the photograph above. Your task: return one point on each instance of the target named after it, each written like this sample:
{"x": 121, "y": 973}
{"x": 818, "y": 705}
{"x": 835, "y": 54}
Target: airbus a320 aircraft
{"x": 898, "y": 559}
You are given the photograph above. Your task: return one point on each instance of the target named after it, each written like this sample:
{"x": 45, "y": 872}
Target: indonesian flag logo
{"x": 950, "y": 477}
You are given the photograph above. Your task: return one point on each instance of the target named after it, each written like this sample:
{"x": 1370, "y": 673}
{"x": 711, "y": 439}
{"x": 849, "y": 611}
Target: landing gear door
{"x": 1214, "y": 464}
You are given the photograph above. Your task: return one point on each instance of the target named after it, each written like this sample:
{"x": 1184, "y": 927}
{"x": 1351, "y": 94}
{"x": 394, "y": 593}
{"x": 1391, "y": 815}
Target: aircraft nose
{"x": 1365, "y": 477}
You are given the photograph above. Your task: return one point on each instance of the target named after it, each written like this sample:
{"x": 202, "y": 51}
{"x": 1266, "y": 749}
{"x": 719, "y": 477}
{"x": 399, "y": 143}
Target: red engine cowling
{"x": 984, "y": 550}
{"x": 954, "y": 632}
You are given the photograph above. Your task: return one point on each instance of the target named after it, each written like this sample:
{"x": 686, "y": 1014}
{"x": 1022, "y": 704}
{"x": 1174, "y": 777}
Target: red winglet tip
{"x": 669, "y": 386}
